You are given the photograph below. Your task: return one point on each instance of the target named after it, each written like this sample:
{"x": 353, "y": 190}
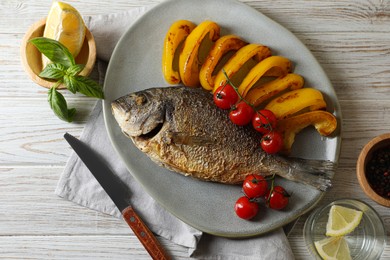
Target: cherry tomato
{"x": 272, "y": 142}
{"x": 264, "y": 121}
{"x": 241, "y": 114}
{"x": 254, "y": 186}
{"x": 225, "y": 96}
{"x": 277, "y": 198}
{"x": 245, "y": 208}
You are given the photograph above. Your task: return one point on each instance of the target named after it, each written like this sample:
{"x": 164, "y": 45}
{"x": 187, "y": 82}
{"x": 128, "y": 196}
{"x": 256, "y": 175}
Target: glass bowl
{"x": 367, "y": 241}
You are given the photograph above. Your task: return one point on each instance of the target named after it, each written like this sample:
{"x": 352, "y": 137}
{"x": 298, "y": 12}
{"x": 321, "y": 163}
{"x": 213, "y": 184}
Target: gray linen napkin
{"x": 78, "y": 185}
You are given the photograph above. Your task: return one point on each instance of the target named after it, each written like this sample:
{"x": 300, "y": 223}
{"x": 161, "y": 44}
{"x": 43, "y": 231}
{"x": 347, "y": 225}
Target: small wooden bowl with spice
{"x": 373, "y": 169}
{"x": 32, "y": 58}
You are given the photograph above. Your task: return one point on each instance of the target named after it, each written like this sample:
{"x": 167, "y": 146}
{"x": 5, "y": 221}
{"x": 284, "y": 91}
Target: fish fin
{"x": 317, "y": 173}
{"x": 186, "y": 139}
{"x": 319, "y": 167}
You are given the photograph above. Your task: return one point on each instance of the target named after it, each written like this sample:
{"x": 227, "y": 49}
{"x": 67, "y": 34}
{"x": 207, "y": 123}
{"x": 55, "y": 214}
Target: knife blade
{"x": 118, "y": 193}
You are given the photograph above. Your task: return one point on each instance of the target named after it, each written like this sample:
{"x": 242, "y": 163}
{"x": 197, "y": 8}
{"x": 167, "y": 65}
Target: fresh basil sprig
{"x": 64, "y": 70}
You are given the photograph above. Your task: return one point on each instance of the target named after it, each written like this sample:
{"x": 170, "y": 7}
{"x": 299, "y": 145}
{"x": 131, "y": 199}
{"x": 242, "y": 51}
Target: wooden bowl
{"x": 32, "y": 58}
{"x": 364, "y": 157}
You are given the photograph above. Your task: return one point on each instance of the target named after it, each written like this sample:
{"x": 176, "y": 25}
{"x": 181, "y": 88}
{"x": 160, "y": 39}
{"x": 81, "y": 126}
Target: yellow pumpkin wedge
{"x": 260, "y": 94}
{"x": 282, "y": 65}
{"x": 222, "y": 46}
{"x": 233, "y": 65}
{"x": 324, "y": 122}
{"x": 188, "y": 59}
{"x": 176, "y": 34}
{"x": 294, "y": 101}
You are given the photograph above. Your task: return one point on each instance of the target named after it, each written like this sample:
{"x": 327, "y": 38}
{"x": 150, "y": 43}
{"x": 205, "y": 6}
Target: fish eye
{"x": 140, "y": 100}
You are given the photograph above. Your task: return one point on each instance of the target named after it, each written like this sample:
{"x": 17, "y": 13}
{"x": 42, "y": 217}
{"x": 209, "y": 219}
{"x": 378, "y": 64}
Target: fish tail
{"x": 316, "y": 173}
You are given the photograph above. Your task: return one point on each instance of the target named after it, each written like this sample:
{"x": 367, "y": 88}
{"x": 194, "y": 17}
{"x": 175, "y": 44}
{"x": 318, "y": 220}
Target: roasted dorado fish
{"x": 181, "y": 129}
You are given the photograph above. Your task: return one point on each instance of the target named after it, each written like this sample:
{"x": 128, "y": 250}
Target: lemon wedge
{"x": 65, "y": 24}
{"x": 333, "y": 248}
{"x": 342, "y": 220}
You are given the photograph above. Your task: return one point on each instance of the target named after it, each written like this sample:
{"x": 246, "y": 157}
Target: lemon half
{"x": 342, "y": 220}
{"x": 333, "y": 248}
{"x": 65, "y": 24}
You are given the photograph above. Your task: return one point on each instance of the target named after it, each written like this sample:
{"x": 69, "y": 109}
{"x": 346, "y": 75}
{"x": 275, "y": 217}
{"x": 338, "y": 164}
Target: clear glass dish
{"x": 367, "y": 241}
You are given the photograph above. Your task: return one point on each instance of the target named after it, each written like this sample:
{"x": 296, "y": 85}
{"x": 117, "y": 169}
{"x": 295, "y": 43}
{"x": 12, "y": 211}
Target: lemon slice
{"x": 333, "y": 248}
{"x": 342, "y": 220}
{"x": 65, "y": 24}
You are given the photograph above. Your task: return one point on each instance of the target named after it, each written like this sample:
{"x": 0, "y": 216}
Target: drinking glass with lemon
{"x": 345, "y": 229}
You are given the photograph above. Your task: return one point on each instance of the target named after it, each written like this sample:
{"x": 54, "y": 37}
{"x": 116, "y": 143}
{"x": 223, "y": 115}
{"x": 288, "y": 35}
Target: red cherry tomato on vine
{"x": 225, "y": 96}
{"x": 277, "y": 198}
{"x": 264, "y": 121}
{"x": 254, "y": 186}
{"x": 241, "y": 114}
{"x": 272, "y": 142}
{"x": 245, "y": 208}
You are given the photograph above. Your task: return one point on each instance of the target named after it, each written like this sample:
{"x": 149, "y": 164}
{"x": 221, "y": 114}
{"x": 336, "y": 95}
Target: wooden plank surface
{"x": 350, "y": 39}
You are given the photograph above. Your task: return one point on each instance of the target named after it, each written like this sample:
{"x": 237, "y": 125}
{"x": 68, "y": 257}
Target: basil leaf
{"x": 71, "y": 113}
{"x": 75, "y": 69}
{"x": 54, "y": 51}
{"x": 71, "y": 83}
{"x": 58, "y": 105}
{"x": 88, "y": 87}
{"x": 53, "y": 71}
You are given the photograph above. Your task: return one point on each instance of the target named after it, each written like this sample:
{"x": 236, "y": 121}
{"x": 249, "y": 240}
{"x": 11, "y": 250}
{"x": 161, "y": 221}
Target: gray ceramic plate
{"x": 136, "y": 65}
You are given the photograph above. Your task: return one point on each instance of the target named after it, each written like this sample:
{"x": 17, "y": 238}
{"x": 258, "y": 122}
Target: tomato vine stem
{"x": 228, "y": 81}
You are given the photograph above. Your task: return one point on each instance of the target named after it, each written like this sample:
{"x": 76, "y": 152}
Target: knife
{"x": 118, "y": 194}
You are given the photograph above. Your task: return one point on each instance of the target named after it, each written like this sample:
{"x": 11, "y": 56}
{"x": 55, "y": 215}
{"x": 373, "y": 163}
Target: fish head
{"x": 139, "y": 114}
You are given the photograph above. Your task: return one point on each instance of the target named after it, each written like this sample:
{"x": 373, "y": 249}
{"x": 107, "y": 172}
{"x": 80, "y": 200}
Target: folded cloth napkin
{"x": 78, "y": 185}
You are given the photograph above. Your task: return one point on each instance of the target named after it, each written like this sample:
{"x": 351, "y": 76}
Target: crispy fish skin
{"x": 181, "y": 129}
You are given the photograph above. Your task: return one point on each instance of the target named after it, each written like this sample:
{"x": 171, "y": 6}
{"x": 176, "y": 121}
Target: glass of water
{"x": 368, "y": 239}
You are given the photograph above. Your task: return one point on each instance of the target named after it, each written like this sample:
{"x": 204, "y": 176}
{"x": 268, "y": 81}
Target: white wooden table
{"x": 351, "y": 40}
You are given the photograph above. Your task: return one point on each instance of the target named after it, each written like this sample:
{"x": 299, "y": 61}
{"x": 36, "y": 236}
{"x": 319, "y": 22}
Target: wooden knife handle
{"x": 143, "y": 233}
